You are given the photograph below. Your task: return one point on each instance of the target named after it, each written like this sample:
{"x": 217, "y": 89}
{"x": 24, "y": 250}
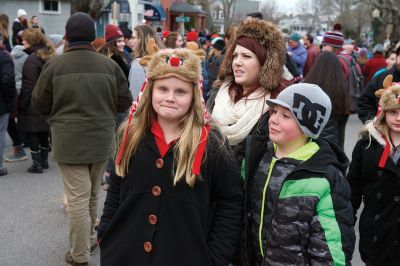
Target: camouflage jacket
{"x": 298, "y": 209}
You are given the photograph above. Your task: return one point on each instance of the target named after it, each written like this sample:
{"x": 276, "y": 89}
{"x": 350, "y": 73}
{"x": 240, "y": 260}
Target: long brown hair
{"x": 170, "y": 41}
{"x": 144, "y": 33}
{"x": 328, "y": 74}
{"x": 4, "y": 22}
{"x": 110, "y": 48}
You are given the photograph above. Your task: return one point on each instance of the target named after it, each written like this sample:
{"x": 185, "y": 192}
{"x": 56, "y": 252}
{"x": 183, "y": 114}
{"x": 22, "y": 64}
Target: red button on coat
{"x": 156, "y": 190}
{"x": 147, "y": 246}
{"x": 159, "y": 163}
{"x": 152, "y": 219}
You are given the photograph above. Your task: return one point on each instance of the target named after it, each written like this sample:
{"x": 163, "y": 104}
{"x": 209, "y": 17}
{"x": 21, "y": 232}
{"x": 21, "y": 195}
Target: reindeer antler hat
{"x": 389, "y": 99}
{"x": 183, "y": 63}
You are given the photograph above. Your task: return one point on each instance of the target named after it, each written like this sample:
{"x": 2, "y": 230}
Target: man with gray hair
{"x": 81, "y": 92}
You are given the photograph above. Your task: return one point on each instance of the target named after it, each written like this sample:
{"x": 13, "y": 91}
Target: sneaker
{"x": 69, "y": 260}
{"x": 3, "y": 171}
{"x": 19, "y": 154}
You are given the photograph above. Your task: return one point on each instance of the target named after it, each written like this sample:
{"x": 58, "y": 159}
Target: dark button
{"x": 147, "y": 246}
{"x": 156, "y": 190}
{"x": 375, "y": 238}
{"x": 159, "y": 163}
{"x": 379, "y": 173}
{"x": 152, "y": 219}
{"x": 376, "y": 217}
{"x": 378, "y": 195}
{"x": 397, "y": 198}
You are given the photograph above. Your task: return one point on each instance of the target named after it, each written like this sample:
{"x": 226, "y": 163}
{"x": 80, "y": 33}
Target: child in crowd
{"x": 297, "y": 198}
{"x": 374, "y": 179}
{"x": 176, "y": 197}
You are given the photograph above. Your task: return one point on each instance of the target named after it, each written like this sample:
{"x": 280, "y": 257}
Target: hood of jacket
{"x": 18, "y": 51}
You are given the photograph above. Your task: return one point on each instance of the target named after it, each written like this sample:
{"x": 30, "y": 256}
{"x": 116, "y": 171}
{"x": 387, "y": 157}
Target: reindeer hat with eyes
{"x": 183, "y": 63}
{"x": 389, "y": 99}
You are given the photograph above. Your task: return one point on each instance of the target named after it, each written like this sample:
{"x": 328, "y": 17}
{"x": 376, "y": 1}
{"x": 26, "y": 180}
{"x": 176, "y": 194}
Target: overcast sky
{"x": 286, "y": 6}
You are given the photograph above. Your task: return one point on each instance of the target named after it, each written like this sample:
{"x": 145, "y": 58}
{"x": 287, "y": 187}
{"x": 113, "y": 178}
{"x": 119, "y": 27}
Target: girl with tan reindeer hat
{"x": 374, "y": 177}
{"x": 170, "y": 201}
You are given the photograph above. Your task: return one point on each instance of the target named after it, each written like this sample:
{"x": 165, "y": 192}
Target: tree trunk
{"x": 91, "y": 7}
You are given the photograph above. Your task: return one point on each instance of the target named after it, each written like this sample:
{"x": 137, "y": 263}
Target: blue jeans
{"x": 3, "y": 130}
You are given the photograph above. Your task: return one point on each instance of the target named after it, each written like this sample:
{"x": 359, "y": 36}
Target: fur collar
{"x": 374, "y": 133}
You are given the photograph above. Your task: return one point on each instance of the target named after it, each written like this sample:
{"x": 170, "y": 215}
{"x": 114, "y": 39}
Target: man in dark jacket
{"x": 81, "y": 91}
{"x": 368, "y": 102}
{"x": 7, "y": 94}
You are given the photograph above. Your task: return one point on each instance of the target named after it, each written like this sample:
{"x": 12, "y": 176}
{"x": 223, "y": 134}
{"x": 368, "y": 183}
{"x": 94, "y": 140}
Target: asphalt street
{"x": 33, "y": 225}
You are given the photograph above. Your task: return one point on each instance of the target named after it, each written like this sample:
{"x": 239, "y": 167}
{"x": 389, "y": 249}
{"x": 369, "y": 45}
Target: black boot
{"x": 36, "y": 167}
{"x": 44, "y": 152}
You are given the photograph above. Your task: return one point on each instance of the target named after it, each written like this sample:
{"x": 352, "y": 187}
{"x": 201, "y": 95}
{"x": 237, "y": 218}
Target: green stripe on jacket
{"x": 319, "y": 187}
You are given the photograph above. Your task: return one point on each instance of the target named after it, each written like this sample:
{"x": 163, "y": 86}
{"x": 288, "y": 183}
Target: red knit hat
{"x": 192, "y": 36}
{"x": 113, "y": 32}
{"x": 333, "y": 38}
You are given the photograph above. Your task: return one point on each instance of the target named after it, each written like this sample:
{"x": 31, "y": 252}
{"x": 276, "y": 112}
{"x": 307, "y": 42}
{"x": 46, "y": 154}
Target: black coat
{"x": 29, "y": 120}
{"x": 7, "y": 82}
{"x": 122, "y": 64}
{"x": 148, "y": 221}
{"x": 16, "y": 27}
{"x": 379, "y": 189}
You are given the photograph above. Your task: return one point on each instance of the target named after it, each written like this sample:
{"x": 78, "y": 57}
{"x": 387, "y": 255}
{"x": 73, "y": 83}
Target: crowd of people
{"x": 225, "y": 149}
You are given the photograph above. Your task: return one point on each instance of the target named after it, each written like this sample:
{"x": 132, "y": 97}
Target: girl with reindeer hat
{"x": 374, "y": 177}
{"x": 177, "y": 197}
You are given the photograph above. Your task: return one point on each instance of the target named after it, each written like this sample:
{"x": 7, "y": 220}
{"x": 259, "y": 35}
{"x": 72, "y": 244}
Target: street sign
{"x": 182, "y": 19}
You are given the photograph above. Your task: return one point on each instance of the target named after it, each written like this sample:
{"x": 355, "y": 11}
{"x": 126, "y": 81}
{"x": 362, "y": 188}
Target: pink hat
{"x": 113, "y": 32}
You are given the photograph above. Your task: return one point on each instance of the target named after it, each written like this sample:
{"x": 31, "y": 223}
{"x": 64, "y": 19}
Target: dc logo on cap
{"x": 310, "y": 115}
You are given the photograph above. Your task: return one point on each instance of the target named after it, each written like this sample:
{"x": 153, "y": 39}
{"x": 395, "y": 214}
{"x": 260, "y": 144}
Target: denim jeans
{"x": 3, "y": 130}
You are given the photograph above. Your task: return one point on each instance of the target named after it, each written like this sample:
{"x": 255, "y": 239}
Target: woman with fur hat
{"x": 249, "y": 75}
{"x": 169, "y": 202}
{"x": 36, "y": 128}
{"x": 374, "y": 179}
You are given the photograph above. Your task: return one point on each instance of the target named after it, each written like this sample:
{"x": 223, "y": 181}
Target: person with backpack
{"x": 333, "y": 42}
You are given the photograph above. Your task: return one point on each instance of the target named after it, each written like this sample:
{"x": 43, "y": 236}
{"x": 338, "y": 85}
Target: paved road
{"x": 33, "y": 226}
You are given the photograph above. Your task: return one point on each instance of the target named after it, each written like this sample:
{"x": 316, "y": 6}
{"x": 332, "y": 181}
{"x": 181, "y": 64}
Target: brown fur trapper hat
{"x": 389, "y": 100}
{"x": 269, "y": 36}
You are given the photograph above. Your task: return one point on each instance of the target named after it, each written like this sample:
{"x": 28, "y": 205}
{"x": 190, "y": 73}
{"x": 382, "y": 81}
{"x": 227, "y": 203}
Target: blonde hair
{"x": 144, "y": 33}
{"x": 191, "y": 127}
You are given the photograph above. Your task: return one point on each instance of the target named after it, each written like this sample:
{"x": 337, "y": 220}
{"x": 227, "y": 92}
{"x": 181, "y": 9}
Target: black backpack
{"x": 355, "y": 84}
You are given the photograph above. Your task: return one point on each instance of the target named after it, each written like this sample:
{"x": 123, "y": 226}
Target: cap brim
{"x": 273, "y": 102}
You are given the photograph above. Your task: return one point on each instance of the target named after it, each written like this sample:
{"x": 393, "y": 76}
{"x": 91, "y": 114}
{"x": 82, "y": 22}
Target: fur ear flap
{"x": 387, "y": 82}
{"x": 151, "y": 49}
{"x": 194, "y": 47}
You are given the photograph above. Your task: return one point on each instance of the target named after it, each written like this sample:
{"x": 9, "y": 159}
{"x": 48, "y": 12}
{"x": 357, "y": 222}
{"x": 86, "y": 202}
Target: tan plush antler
{"x": 387, "y": 82}
{"x": 194, "y": 47}
{"x": 151, "y": 49}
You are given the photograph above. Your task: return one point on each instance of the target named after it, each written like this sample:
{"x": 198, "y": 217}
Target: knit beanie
{"x": 166, "y": 34}
{"x": 333, "y": 38}
{"x": 218, "y": 43}
{"x": 192, "y": 36}
{"x": 80, "y": 28}
{"x": 21, "y": 12}
{"x": 295, "y": 37}
{"x": 309, "y": 104}
{"x": 254, "y": 46}
{"x": 112, "y": 33}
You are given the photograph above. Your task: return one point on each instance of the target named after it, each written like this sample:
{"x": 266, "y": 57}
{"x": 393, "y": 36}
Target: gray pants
{"x": 3, "y": 130}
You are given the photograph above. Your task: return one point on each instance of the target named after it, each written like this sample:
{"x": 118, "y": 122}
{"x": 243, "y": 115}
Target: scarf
{"x": 236, "y": 120}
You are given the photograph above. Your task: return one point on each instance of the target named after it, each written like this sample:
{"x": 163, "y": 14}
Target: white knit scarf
{"x": 235, "y": 120}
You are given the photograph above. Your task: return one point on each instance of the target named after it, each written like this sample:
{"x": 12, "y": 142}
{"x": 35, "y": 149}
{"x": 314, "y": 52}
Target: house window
{"x": 221, "y": 14}
{"x": 50, "y": 6}
{"x": 214, "y": 14}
